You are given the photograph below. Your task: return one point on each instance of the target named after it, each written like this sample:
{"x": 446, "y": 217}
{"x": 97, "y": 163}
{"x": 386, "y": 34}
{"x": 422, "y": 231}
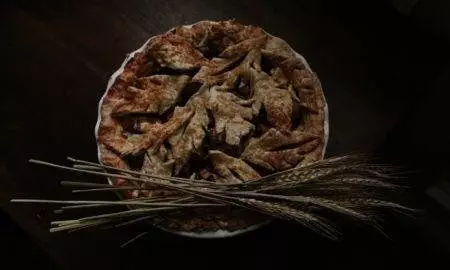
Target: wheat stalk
{"x": 347, "y": 185}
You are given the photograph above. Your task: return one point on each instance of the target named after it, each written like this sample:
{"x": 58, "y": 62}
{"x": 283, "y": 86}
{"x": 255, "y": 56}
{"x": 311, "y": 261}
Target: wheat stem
{"x": 133, "y": 239}
{"x": 171, "y": 178}
{"x": 111, "y": 189}
{"x": 150, "y": 199}
{"x": 83, "y": 184}
{"x": 114, "y": 203}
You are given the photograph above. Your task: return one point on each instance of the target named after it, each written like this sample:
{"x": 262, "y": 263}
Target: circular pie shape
{"x": 218, "y": 101}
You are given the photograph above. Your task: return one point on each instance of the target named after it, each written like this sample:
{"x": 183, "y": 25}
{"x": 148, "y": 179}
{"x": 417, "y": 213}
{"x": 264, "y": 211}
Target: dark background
{"x": 384, "y": 66}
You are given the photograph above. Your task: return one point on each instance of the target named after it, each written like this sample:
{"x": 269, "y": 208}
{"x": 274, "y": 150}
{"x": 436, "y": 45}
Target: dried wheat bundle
{"x": 346, "y": 185}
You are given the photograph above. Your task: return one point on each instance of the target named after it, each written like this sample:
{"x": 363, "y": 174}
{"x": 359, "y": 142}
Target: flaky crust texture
{"x": 218, "y": 101}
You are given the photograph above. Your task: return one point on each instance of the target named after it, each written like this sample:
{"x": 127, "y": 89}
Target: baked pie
{"x": 218, "y": 101}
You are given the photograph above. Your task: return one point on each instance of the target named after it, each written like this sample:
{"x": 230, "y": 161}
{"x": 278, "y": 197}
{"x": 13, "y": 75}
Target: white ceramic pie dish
{"x": 213, "y": 233}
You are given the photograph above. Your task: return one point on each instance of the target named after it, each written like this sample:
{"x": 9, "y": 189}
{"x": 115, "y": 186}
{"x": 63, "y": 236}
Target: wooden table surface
{"x": 60, "y": 54}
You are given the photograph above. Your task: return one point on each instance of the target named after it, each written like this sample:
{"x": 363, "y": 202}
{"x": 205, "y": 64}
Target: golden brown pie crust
{"x": 220, "y": 101}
